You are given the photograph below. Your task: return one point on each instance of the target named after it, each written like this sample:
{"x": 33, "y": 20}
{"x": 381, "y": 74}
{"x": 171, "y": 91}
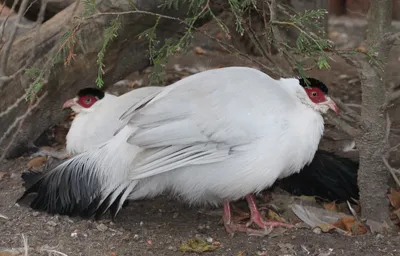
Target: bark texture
{"x": 373, "y": 175}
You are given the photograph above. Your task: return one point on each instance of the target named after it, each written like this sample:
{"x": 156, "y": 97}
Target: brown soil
{"x": 158, "y": 227}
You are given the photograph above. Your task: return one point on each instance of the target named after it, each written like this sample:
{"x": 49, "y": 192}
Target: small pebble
{"x": 136, "y": 237}
{"x": 209, "y": 240}
{"x": 51, "y": 223}
{"x": 74, "y": 234}
{"x": 35, "y": 214}
{"x": 102, "y": 227}
{"x": 14, "y": 176}
{"x": 317, "y": 231}
{"x": 175, "y": 215}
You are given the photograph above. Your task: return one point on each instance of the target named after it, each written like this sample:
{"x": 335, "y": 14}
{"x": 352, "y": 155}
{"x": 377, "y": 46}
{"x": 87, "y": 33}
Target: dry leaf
{"x": 362, "y": 48}
{"x": 331, "y": 206}
{"x": 394, "y": 198}
{"x": 351, "y": 225}
{"x": 199, "y": 51}
{"x": 334, "y": 34}
{"x": 395, "y": 216}
{"x": 326, "y": 227}
{"x": 37, "y": 162}
{"x": 135, "y": 83}
{"x": 397, "y": 213}
{"x": 197, "y": 245}
{"x": 46, "y": 148}
{"x": 12, "y": 252}
{"x": 271, "y": 215}
{"x": 2, "y": 174}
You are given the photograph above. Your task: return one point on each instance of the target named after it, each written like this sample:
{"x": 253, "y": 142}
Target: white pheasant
{"x": 210, "y": 138}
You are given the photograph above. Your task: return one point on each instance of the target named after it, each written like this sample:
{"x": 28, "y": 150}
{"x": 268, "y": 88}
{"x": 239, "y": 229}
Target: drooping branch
{"x": 127, "y": 53}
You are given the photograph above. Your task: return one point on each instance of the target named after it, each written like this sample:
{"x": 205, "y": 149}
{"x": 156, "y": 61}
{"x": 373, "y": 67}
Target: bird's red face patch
{"x": 87, "y": 101}
{"x": 315, "y": 94}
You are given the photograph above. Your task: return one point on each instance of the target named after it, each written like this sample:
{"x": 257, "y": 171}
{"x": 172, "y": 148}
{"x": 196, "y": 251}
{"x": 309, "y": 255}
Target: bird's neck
{"x": 309, "y": 130}
{"x": 304, "y": 134}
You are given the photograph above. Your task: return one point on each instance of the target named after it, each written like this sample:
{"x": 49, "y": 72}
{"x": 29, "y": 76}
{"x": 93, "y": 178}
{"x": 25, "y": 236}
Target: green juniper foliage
{"x": 308, "y": 46}
{"x": 36, "y": 76}
{"x": 109, "y": 34}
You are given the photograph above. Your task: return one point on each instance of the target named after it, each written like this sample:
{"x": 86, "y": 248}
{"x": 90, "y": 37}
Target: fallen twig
{"x": 19, "y": 120}
{"x": 392, "y": 170}
{"x": 4, "y": 217}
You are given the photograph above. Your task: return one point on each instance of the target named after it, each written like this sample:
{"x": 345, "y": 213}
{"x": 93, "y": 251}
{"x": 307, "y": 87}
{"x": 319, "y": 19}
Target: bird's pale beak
{"x": 331, "y": 104}
{"x": 69, "y": 103}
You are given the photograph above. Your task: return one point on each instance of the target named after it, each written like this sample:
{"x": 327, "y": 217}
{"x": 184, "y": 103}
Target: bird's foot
{"x": 258, "y": 220}
{"x": 233, "y": 228}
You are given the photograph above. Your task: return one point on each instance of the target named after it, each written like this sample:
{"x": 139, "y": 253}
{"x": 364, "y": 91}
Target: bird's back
{"x": 91, "y": 129}
{"x": 259, "y": 130}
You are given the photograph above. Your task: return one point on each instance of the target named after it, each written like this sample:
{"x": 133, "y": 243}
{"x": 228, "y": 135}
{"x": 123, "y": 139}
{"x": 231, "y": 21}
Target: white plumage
{"x": 97, "y": 124}
{"x": 209, "y": 138}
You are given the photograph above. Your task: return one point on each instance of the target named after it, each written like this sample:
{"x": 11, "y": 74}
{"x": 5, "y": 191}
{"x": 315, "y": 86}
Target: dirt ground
{"x": 158, "y": 227}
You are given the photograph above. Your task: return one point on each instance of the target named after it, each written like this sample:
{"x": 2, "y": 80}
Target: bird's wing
{"x": 202, "y": 119}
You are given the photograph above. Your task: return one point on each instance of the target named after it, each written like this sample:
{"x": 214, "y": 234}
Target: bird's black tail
{"x": 72, "y": 188}
{"x": 30, "y": 178}
{"x": 328, "y": 177}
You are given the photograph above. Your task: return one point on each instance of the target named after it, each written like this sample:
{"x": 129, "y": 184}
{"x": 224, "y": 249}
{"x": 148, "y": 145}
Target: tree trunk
{"x": 52, "y": 8}
{"x": 373, "y": 175}
{"x": 127, "y": 53}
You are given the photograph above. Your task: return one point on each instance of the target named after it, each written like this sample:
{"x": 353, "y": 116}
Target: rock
{"x": 15, "y": 176}
{"x": 75, "y": 234}
{"x": 51, "y": 223}
{"x": 102, "y": 227}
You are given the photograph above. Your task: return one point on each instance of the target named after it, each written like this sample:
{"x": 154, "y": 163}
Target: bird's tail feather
{"x": 87, "y": 185}
{"x": 328, "y": 176}
{"x": 70, "y": 188}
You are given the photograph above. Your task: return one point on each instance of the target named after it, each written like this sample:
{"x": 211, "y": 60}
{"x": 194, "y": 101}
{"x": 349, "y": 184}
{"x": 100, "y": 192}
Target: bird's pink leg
{"x": 231, "y": 227}
{"x": 256, "y": 218}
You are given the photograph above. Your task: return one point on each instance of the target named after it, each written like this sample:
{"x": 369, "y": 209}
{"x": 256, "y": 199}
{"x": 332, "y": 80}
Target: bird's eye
{"x": 88, "y": 100}
{"x": 314, "y": 94}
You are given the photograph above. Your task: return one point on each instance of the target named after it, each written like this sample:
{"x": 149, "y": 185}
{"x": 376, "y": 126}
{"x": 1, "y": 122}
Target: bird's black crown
{"x": 92, "y": 92}
{"x": 314, "y": 83}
